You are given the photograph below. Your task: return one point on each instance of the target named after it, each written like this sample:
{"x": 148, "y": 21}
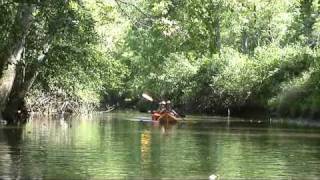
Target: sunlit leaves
{"x": 213, "y": 54}
{"x": 161, "y": 8}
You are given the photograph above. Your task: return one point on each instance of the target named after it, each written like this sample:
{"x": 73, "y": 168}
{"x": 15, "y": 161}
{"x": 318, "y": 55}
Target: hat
{"x": 168, "y": 102}
{"x": 162, "y": 102}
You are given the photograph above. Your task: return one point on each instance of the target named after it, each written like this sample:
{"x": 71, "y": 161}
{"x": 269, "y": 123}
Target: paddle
{"x": 147, "y": 97}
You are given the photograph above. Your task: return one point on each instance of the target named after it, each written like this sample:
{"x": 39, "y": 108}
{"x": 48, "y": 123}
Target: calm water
{"x": 119, "y": 146}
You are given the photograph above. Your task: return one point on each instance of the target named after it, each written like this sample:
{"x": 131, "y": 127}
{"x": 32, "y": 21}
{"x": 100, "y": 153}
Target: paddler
{"x": 169, "y": 109}
{"x": 162, "y": 106}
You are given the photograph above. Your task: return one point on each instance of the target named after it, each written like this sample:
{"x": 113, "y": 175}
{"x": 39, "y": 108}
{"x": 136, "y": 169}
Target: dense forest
{"x": 206, "y": 56}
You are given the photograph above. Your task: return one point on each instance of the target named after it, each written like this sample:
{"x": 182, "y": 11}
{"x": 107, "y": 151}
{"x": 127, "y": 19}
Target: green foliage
{"x": 65, "y": 45}
{"x": 300, "y": 95}
{"x": 214, "y": 55}
{"x": 204, "y": 55}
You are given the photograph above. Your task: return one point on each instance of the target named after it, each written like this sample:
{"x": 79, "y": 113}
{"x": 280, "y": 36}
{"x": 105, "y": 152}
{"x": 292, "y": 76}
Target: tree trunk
{"x": 217, "y": 35}
{"x": 308, "y": 20}
{"x": 213, "y": 26}
{"x": 306, "y": 16}
{"x": 16, "y": 109}
{"x": 244, "y": 42}
{"x": 214, "y": 35}
{"x": 13, "y": 51}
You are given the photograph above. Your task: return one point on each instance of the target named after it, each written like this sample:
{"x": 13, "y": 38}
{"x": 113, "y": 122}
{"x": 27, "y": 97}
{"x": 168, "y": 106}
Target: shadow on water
{"x": 11, "y": 152}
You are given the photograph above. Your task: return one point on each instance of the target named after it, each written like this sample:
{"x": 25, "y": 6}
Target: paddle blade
{"x": 147, "y": 97}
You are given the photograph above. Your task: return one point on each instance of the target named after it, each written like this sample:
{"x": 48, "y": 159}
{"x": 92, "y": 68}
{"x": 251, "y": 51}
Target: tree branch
{"x": 2, "y": 3}
{"x": 149, "y": 17}
{"x": 134, "y": 6}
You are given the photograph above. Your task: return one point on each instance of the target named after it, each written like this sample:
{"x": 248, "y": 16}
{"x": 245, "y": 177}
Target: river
{"x": 128, "y": 146}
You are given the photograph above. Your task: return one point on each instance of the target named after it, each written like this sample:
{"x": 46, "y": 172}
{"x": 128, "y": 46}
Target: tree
{"x": 13, "y": 50}
{"x": 40, "y": 27}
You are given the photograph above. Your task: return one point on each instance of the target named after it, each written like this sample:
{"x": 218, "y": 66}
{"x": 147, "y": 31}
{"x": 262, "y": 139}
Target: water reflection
{"x": 111, "y": 146}
{"x": 10, "y": 152}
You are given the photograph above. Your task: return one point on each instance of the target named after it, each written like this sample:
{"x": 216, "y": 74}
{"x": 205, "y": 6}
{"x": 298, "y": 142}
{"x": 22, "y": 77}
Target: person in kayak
{"x": 162, "y": 106}
{"x": 161, "y": 109}
{"x": 169, "y": 108}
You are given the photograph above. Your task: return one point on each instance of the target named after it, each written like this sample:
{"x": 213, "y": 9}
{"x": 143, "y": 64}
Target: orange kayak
{"x": 155, "y": 116}
{"x": 165, "y": 117}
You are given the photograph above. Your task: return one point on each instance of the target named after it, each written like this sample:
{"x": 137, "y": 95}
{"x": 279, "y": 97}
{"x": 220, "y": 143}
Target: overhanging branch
{"x": 147, "y": 16}
{"x": 135, "y": 7}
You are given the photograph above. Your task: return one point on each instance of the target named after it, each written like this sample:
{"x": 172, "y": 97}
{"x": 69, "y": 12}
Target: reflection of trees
{"x": 95, "y": 148}
{"x": 237, "y": 152}
{"x": 179, "y": 155}
{"x": 11, "y": 152}
{"x": 262, "y": 154}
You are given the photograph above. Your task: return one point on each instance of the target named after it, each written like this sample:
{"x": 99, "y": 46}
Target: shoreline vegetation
{"x": 207, "y": 57}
